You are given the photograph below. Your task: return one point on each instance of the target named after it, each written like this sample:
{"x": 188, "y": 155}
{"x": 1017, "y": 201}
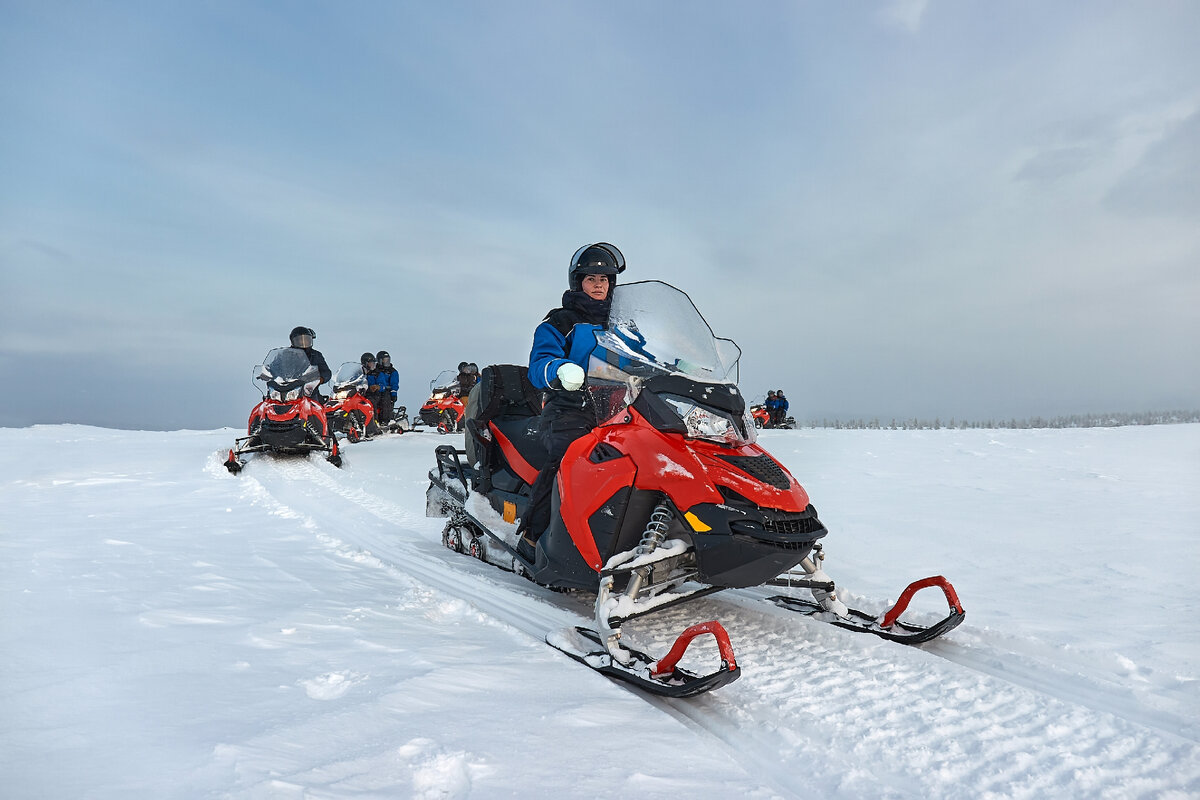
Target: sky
{"x": 969, "y": 210}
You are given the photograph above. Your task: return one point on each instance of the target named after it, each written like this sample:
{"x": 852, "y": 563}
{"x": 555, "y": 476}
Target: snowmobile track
{"x": 808, "y": 688}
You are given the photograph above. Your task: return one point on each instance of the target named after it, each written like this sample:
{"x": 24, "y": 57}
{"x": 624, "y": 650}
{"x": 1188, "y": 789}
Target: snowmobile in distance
{"x": 444, "y": 409}
{"x": 667, "y": 500}
{"x": 347, "y": 410}
{"x": 762, "y": 418}
{"x": 288, "y": 420}
{"x": 399, "y": 422}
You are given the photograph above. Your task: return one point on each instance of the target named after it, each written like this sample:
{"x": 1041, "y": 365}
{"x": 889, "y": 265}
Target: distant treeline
{"x": 1074, "y": 421}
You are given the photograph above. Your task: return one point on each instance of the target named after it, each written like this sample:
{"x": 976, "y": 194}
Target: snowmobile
{"x": 288, "y": 420}
{"x": 762, "y": 418}
{"x": 347, "y": 410}
{"x": 444, "y": 409}
{"x": 668, "y": 499}
{"x": 399, "y": 422}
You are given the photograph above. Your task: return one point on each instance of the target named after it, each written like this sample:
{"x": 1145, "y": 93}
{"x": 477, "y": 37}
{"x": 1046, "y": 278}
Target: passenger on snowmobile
{"x": 781, "y": 407}
{"x": 388, "y": 381}
{"x": 562, "y": 344}
{"x": 303, "y": 339}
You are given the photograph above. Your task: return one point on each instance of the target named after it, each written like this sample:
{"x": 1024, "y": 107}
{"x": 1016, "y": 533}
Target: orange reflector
{"x": 510, "y": 512}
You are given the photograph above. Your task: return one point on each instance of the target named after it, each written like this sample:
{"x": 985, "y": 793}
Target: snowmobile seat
{"x": 506, "y": 399}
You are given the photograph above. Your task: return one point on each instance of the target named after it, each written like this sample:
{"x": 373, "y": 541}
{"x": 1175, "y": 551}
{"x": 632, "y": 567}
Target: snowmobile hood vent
{"x": 761, "y": 467}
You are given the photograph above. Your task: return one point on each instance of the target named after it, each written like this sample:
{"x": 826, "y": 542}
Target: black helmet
{"x": 366, "y": 358}
{"x": 473, "y": 368}
{"x": 771, "y": 393}
{"x": 601, "y": 258}
{"x": 302, "y": 337}
{"x": 384, "y": 358}
{"x": 462, "y": 366}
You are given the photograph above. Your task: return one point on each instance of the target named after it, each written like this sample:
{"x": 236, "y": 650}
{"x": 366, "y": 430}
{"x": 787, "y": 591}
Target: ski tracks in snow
{"x": 817, "y": 707}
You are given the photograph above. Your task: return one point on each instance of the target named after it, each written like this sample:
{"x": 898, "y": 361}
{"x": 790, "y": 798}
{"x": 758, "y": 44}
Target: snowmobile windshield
{"x": 446, "y": 380}
{"x": 655, "y": 329}
{"x": 350, "y": 376}
{"x": 657, "y": 341}
{"x": 288, "y": 374}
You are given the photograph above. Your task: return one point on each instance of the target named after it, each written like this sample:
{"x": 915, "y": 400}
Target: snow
{"x": 170, "y": 630}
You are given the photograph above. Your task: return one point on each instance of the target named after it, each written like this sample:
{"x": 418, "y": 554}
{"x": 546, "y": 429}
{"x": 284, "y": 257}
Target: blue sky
{"x": 967, "y": 209}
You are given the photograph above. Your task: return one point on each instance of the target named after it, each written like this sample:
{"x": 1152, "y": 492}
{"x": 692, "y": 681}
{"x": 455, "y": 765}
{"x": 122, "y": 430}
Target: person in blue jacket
{"x": 562, "y": 344}
{"x": 388, "y": 382}
{"x": 781, "y": 407}
{"x": 771, "y": 405}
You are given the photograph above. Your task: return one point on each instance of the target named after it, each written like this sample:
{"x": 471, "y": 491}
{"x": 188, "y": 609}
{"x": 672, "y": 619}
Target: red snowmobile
{"x": 348, "y": 410}
{"x": 762, "y": 418}
{"x": 667, "y": 500}
{"x": 288, "y": 420}
{"x": 444, "y": 409}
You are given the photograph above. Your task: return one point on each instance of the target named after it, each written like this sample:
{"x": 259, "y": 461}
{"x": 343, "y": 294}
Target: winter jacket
{"x": 372, "y": 377}
{"x": 781, "y": 403}
{"x": 317, "y": 360}
{"x": 387, "y": 380}
{"x": 566, "y": 334}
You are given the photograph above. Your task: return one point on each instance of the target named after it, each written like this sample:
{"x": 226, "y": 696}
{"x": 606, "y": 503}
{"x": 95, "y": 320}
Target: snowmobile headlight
{"x": 294, "y": 394}
{"x": 707, "y": 423}
{"x": 274, "y": 393}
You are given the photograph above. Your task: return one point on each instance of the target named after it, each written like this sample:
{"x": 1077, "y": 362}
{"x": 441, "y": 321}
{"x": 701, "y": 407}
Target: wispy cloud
{"x": 904, "y": 14}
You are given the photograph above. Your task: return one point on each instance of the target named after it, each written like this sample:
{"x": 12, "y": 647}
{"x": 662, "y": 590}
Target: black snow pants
{"x": 565, "y": 417}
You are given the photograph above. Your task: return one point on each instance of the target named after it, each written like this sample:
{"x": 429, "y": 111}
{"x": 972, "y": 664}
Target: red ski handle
{"x": 666, "y": 665}
{"x": 893, "y": 614}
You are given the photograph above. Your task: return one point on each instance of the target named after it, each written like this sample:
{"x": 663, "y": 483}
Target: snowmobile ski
{"x": 661, "y": 677}
{"x": 888, "y": 624}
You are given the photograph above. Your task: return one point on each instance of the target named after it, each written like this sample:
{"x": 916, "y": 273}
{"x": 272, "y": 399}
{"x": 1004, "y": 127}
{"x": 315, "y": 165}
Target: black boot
{"x": 527, "y": 548}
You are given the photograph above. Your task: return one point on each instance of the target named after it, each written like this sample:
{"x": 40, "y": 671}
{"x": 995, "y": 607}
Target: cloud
{"x": 904, "y": 14}
{"x": 1057, "y": 162}
{"x": 1166, "y": 180}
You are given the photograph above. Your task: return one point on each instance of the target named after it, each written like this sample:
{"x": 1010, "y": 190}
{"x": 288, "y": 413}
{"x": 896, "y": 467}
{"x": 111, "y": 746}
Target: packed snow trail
{"x": 858, "y": 713}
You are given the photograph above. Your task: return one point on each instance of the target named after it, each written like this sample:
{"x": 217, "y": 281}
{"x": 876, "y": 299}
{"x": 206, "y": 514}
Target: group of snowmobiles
{"x": 670, "y": 498}
{"x": 292, "y": 419}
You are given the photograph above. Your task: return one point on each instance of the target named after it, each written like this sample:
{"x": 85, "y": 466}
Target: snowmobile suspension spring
{"x": 656, "y": 529}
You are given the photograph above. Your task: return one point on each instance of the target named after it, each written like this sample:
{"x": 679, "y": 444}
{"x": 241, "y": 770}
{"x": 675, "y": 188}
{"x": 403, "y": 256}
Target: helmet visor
{"x": 618, "y": 259}
{"x": 302, "y": 340}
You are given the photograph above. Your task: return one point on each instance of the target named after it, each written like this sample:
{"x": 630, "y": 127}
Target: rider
{"x": 367, "y": 360}
{"x": 302, "y": 338}
{"x": 468, "y": 376}
{"x": 388, "y": 381}
{"x": 562, "y": 344}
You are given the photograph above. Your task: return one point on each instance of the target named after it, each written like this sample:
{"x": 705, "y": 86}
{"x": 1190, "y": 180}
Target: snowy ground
{"x": 169, "y": 630}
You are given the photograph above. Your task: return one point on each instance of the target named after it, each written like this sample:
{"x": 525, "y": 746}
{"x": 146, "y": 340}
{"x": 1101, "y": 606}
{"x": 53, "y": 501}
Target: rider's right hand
{"x": 570, "y": 375}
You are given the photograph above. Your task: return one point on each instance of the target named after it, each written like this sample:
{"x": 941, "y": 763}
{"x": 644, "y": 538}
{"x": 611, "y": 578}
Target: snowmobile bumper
{"x": 737, "y": 548}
